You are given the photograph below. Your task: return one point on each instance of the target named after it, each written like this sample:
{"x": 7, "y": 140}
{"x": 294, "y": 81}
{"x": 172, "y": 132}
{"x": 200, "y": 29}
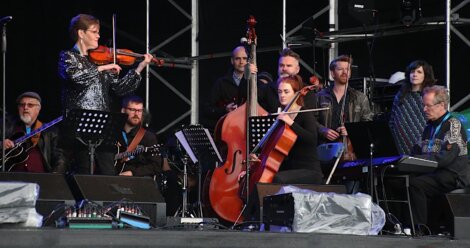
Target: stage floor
{"x": 13, "y": 237}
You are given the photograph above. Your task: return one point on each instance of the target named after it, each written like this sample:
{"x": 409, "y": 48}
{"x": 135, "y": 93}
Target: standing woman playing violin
{"x": 301, "y": 165}
{"x": 88, "y": 86}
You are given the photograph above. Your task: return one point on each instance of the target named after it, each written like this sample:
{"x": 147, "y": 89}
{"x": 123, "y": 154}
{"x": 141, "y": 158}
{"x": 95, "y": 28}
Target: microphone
{"x": 6, "y": 19}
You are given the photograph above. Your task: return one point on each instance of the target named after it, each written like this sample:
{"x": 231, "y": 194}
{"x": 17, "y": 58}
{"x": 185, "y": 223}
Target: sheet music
{"x": 216, "y": 151}
{"x": 182, "y": 139}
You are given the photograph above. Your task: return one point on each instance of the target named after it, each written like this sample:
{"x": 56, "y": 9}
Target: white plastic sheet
{"x": 335, "y": 213}
{"x": 18, "y": 204}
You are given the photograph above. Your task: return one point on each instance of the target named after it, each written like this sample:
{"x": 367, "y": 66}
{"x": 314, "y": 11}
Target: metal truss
{"x": 183, "y": 63}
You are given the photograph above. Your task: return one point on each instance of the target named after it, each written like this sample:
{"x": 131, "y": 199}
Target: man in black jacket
{"x": 229, "y": 91}
{"x": 356, "y": 107}
{"x": 41, "y": 152}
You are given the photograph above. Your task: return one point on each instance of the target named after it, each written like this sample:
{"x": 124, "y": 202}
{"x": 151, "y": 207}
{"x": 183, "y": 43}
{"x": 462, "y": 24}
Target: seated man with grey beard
{"x": 39, "y": 153}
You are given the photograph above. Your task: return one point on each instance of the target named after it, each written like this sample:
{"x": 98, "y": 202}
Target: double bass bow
{"x": 231, "y": 129}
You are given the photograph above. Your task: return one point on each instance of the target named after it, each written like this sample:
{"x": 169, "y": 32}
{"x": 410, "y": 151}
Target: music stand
{"x": 258, "y": 127}
{"x": 94, "y": 128}
{"x": 369, "y": 139}
{"x": 199, "y": 145}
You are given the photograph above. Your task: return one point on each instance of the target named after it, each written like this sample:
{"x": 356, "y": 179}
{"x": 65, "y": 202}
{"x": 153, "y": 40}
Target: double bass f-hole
{"x": 234, "y": 162}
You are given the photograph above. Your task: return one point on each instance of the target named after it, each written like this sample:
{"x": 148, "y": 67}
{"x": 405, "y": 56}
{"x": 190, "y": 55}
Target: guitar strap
{"x": 35, "y": 138}
{"x": 136, "y": 140}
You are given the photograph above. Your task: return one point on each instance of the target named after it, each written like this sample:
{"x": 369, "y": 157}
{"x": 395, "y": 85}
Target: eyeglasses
{"x": 29, "y": 105}
{"x": 133, "y": 110}
{"x": 93, "y": 31}
{"x": 431, "y": 105}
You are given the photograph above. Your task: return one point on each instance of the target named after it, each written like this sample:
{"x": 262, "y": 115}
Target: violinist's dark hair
{"x": 81, "y": 22}
{"x": 296, "y": 82}
{"x": 131, "y": 98}
{"x": 429, "y": 79}
{"x": 341, "y": 58}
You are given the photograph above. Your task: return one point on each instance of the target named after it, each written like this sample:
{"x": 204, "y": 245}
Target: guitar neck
{"x": 137, "y": 151}
{"x": 42, "y": 128}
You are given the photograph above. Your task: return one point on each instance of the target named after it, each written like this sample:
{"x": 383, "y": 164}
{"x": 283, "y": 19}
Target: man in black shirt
{"x": 288, "y": 65}
{"x": 146, "y": 162}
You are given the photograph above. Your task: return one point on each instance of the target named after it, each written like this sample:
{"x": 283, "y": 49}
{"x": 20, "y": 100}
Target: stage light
{"x": 408, "y": 13}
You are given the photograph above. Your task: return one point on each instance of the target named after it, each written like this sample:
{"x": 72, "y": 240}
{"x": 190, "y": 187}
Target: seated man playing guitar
{"x": 32, "y": 148}
{"x": 138, "y": 146}
{"x": 139, "y": 154}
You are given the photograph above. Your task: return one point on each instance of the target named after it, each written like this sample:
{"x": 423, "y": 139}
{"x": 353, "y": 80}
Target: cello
{"x": 275, "y": 146}
{"x": 231, "y": 129}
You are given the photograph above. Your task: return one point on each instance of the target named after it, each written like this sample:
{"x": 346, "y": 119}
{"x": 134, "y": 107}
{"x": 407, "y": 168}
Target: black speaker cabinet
{"x": 268, "y": 189}
{"x": 53, "y": 191}
{"x": 106, "y": 190}
{"x": 460, "y": 208}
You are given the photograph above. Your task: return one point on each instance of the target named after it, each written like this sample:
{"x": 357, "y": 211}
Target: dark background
{"x": 38, "y": 33}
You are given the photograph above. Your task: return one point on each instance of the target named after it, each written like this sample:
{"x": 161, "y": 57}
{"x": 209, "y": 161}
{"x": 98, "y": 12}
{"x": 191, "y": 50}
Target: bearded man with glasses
{"x": 40, "y": 152}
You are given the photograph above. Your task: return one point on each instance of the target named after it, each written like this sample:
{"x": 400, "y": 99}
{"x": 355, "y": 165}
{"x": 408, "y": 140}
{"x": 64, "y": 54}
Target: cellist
{"x": 301, "y": 166}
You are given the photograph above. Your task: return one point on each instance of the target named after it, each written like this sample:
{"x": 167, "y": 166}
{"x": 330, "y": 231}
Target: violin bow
{"x": 114, "y": 39}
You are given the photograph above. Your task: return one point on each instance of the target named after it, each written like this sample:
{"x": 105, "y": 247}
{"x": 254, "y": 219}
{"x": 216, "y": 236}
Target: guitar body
{"x": 16, "y": 155}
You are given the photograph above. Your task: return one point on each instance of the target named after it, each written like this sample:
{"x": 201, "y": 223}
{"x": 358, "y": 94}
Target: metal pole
{"x": 284, "y": 17}
{"x": 147, "y": 48}
{"x": 448, "y": 6}
{"x": 195, "y": 63}
{"x": 4, "y": 51}
{"x": 333, "y": 21}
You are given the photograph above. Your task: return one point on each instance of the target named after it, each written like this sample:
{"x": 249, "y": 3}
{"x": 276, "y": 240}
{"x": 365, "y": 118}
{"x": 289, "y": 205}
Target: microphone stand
{"x": 4, "y": 51}
{"x": 371, "y": 172}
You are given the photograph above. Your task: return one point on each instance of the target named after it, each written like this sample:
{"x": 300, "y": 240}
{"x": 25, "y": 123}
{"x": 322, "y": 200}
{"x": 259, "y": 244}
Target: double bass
{"x": 232, "y": 129}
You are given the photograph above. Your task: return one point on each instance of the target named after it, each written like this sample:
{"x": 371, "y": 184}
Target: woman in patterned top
{"x": 407, "y": 119}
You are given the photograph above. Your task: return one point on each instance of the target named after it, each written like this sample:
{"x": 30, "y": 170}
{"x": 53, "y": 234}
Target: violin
{"x": 104, "y": 55}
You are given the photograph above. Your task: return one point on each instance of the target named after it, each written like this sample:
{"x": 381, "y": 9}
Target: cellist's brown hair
{"x": 296, "y": 82}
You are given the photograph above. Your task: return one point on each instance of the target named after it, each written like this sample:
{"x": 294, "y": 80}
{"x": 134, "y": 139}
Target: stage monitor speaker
{"x": 267, "y": 189}
{"x": 53, "y": 191}
{"x": 106, "y": 190}
{"x": 460, "y": 208}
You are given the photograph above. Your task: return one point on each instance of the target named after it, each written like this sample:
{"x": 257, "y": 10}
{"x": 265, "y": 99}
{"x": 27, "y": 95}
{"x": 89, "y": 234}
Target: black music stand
{"x": 199, "y": 145}
{"x": 369, "y": 139}
{"x": 94, "y": 128}
{"x": 258, "y": 127}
